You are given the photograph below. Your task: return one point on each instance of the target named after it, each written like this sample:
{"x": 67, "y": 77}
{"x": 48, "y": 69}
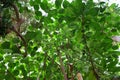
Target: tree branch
{"x": 23, "y": 40}
{"x": 79, "y": 76}
{"x": 18, "y": 19}
{"x": 16, "y": 27}
{"x": 87, "y": 48}
{"x": 91, "y": 60}
{"x": 16, "y": 11}
{"x": 62, "y": 66}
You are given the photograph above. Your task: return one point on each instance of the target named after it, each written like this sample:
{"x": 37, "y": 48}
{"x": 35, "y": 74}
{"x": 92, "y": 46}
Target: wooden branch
{"x": 79, "y": 76}
{"x": 16, "y": 11}
{"x": 71, "y": 71}
{"x": 23, "y": 40}
{"x": 16, "y": 27}
{"x": 62, "y": 66}
{"x": 18, "y": 19}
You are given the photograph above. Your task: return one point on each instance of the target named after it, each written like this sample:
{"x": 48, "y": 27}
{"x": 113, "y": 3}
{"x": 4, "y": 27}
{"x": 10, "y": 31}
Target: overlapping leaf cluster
{"x": 78, "y": 32}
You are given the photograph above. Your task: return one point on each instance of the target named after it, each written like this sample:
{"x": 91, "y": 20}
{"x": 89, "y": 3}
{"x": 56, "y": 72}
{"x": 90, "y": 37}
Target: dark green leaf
{"x": 58, "y": 3}
{"x": 36, "y": 7}
{"x": 38, "y": 13}
{"x": 29, "y": 35}
{"x": 5, "y": 45}
{"x": 15, "y": 49}
{"x": 66, "y": 4}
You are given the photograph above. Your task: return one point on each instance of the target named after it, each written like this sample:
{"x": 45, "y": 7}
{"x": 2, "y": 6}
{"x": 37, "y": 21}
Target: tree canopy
{"x": 59, "y": 40}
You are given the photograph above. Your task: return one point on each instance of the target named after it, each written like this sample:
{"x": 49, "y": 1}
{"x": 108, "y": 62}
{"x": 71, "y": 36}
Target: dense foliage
{"x": 63, "y": 39}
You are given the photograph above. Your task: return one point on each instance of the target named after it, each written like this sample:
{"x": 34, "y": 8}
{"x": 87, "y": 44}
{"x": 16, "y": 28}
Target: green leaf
{"x": 102, "y": 9}
{"x": 31, "y": 2}
{"x": 38, "y": 1}
{"x": 15, "y": 49}
{"x": 15, "y": 40}
{"x": 1, "y": 57}
{"x": 58, "y": 3}
{"x": 93, "y": 11}
{"x": 102, "y": 3}
{"x": 29, "y": 35}
{"x": 2, "y": 76}
{"x": 5, "y": 45}
{"x": 44, "y": 5}
{"x": 91, "y": 76}
{"x": 38, "y": 36}
{"x": 8, "y": 77}
{"x": 115, "y": 47}
{"x": 66, "y": 4}
{"x": 22, "y": 68}
{"x": 69, "y": 12}
{"x": 78, "y": 7}
{"x": 38, "y": 13}
{"x": 8, "y": 58}
{"x": 36, "y": 7}
{"x": 16, "y": 72}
